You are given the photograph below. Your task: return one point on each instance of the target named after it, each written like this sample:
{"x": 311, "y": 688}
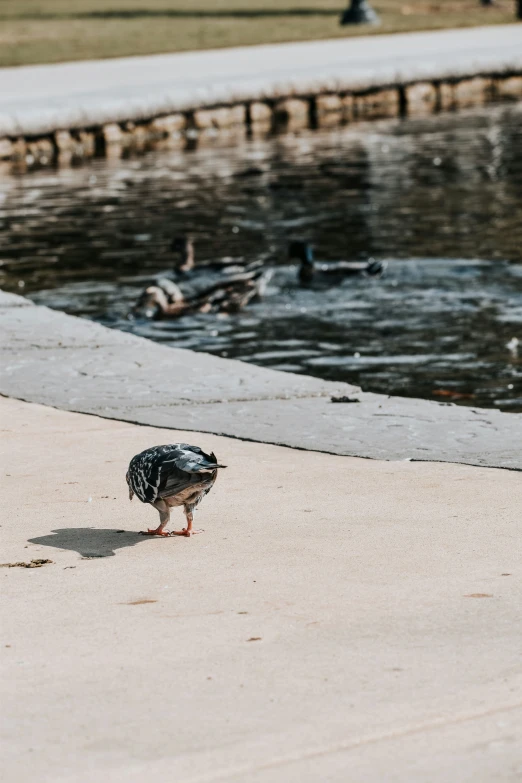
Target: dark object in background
{"x": 344, "y": 399}
{"x": 519, "y": 9}
{"x": 359, "y": 12}
{"x": 332, "y": 272}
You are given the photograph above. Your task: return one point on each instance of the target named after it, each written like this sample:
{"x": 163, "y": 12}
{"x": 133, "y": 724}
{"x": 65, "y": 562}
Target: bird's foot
{"x": 186, "y": 532}
{"x": 156, "y": 532}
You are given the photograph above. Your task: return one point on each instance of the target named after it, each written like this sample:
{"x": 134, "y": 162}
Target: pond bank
{"x": 65, "y": 113}
{"x": 77, "y": 365}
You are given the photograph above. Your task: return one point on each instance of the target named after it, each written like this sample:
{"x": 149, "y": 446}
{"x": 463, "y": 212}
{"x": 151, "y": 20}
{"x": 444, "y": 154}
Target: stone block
{"x": 64, "y": 141}
{"x": 86, "y": 144}
{"x": 6, "y": 149}
{"x": 112, "y": 134}
{"x": 18, "y": 150}
{"x": 136, "y": 137}
{"x": 260, "y": 113}
{"x": 171, "y": 124}
{"x": 329, "y": 110}
{"x": 328, "y": 103}
{"x": 292, "y": 114}
{"x": 377, "y": 104}
{"x": 472, "y": 92}
{"x": 40, "y": 151}
{"x": 167, "y": 132}
{"x": 221, "y": 117}
{"x": 509, "y": 89}
{"x": 421, "y": 99}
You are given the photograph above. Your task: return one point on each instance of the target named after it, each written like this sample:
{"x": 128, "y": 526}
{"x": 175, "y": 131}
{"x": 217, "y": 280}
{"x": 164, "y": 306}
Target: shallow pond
{"x": 440, "y": 199}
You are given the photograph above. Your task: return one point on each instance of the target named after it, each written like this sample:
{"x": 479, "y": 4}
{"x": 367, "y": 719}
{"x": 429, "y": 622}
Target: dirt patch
{"x": 33, "y": 564}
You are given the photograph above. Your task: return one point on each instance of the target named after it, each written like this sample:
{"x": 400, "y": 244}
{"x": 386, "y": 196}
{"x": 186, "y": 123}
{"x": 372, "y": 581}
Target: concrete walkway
{"x": 42, "y": 99}
{"x": 74, "y": 364}
{"x": 339, "y": 620}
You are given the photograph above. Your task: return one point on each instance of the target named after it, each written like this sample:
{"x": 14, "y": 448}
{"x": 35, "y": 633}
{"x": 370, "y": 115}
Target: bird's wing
{"x": 164, "y": 471}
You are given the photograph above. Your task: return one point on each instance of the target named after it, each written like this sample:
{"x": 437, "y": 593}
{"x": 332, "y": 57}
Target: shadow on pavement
{"x": 89, "y": 541}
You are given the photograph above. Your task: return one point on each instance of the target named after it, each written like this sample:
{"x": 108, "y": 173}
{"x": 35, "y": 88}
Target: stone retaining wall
{"x": 226, "y": 124}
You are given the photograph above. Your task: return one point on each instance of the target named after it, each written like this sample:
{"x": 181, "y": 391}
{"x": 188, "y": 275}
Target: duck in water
{"x": 231, "y": 294}
{"x": 330, "y": 272}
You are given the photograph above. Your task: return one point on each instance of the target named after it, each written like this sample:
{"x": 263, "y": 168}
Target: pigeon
{"x": 173, "y": 475}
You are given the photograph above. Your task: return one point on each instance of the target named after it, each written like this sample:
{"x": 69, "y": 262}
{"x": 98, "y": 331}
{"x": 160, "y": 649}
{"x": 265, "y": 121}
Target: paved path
{"x": 40, "y": 99}
{"x": 339, "y": 620}
{"x": 75, "y": 364}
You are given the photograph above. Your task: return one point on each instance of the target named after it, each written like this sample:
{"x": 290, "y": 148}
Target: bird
{"x": 332, "y": 271}
{"x": 176, "y": 474}
{"x": 230, "y": 294}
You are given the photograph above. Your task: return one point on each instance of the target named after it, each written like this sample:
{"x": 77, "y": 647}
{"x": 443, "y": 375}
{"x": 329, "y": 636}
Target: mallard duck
{"x": 331, "y": 271}
{"x": 173, "y": 475}
{"x": 165, "y": 299}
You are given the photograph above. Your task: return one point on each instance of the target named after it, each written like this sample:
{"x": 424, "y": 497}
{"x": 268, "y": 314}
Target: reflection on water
{"x": 441, "y": 199}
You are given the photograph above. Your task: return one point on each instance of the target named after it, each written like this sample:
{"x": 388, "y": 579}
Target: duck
{"x": 165, "y": 299}
{"x": 185, "y": 264}
{"x": 332, "y": 271}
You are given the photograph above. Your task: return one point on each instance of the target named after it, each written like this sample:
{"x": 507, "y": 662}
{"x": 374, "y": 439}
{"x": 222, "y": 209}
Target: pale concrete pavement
{"x": 41, "y": 99}
{"x": 386, "y": 597}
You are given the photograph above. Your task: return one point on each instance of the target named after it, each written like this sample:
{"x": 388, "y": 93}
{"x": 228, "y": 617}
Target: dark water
{"x": 441, "y": 199}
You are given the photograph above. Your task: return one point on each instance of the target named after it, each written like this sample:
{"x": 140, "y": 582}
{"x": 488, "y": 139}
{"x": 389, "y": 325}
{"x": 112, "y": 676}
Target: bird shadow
{"x": 90, "y": 542}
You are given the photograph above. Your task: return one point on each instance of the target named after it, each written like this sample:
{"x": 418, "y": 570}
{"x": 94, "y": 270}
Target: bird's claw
{"x": 155, "y": 532}
{"x": 185, "y": 532}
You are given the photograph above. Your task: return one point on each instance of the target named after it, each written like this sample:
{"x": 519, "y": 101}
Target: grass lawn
{"x": 38, "y": 31}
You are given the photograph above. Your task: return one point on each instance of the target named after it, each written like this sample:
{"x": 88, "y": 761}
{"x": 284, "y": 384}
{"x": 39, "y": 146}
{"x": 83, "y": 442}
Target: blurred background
{"x": 36, "y": 31}
{"x": 438, "y": 199}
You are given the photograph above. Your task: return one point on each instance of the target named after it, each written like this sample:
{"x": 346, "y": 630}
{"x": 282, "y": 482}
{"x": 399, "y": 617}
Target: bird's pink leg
{"x": 187, "y": 531}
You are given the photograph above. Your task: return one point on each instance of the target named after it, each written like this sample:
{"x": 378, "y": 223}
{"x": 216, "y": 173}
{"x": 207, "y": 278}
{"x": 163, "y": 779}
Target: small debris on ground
{"x": 254, "y": 639}
{"x": 454, "y": 395}
{"x": 479, "y": 595}
{"x": 344, "y": 399}
{"x": 142, "y": 601}
{"x": 33, "y": 564}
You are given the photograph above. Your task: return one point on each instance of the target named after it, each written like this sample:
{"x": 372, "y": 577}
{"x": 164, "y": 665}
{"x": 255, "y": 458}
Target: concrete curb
{"x": 77, "y": 365}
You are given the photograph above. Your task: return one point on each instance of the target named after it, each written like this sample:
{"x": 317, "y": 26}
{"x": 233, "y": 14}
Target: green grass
{"x": 44, "y": 31}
